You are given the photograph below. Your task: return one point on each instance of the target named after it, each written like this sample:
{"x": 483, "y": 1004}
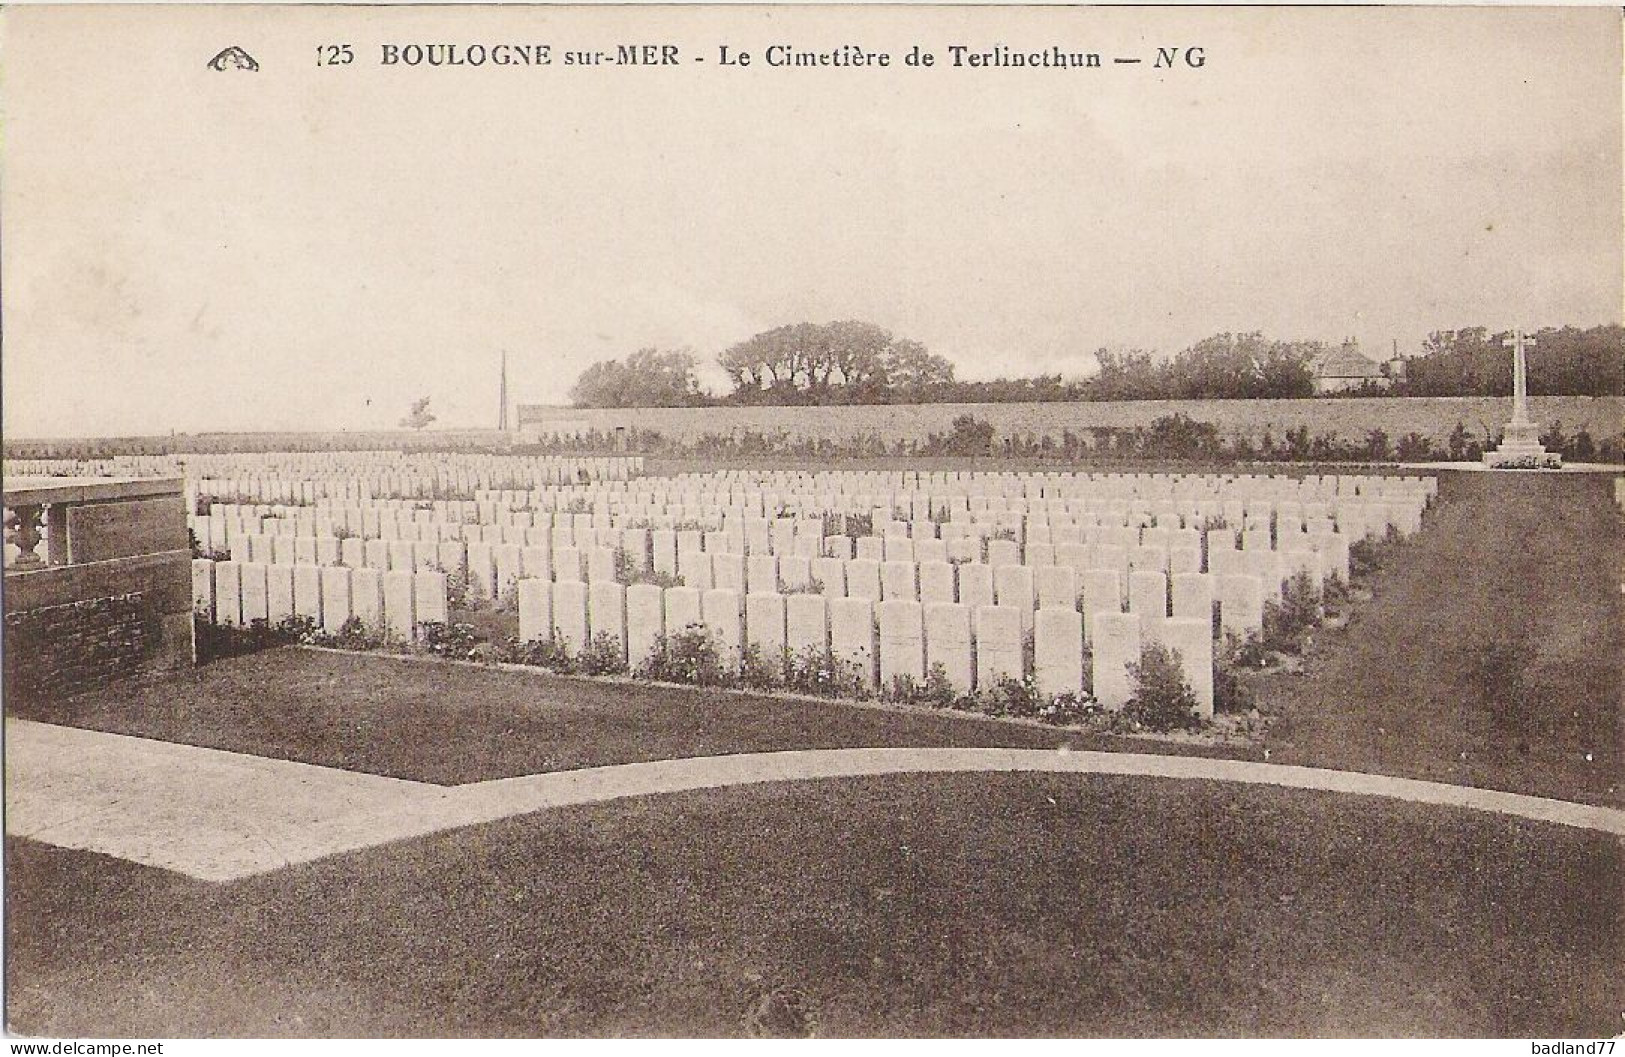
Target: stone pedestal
{"x": 1520, "y": 449}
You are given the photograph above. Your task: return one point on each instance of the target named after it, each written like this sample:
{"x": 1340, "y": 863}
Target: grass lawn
{"x": 1491, "y": 654}
{"x": 926, "y": 905}
{"x": 451, "y": 724}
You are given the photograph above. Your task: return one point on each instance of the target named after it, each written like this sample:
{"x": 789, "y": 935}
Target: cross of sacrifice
{"x": 1519, "y": 343}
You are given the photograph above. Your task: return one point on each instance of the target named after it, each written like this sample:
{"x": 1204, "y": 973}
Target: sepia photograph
{"x": 812, "y": 522}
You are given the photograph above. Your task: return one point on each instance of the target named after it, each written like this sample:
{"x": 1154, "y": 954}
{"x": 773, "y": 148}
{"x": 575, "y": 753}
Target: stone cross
{"x": 1520, "y": 446}
{"x": 1519, "y": 344}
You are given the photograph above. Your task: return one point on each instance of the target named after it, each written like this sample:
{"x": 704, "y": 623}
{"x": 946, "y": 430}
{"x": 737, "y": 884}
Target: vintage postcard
{"x": 812, "y": 522}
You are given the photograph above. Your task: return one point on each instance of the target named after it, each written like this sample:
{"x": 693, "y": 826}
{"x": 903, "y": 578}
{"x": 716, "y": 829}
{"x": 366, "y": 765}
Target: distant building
{"x": 1345, "y": 368}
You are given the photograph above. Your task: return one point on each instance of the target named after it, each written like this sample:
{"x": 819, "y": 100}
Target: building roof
{"x": 1346, "y": 362}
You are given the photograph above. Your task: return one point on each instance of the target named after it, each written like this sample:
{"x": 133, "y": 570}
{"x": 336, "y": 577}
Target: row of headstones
{"x": 1151, "y": 589}
{"x": 994, "y": 488}
{"x": 959, "y": 542}
{"x": 761, "y": 533}
{"x": 921, "y": 508}
{"x": 296, "y": 476}
{"x": 675, "y": 553}
{"x": 305, "y": 490}
{"x": 235, "y": 594}
{"x": 484, "y": 471}
{"x": 916, "y": 505}
{"x": 897, "y": 573}
{"x": 1348, "y": 516}
{"x": 976, "y": 646}
{"x": 1017, "y": 483}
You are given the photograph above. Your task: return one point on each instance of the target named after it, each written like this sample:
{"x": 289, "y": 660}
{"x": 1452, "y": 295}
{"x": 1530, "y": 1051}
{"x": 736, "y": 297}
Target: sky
{"x": 311, "y": 247}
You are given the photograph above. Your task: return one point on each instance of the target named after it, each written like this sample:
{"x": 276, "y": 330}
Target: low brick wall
{"x": 115, "y": 600}
{"x": 60, "y": 651}
{"x": 79, "y": 628}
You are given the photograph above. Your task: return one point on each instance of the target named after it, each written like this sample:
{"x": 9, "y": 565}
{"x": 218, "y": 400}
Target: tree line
{"x": 855, "y": 362}
{"x": 1564, "y": 361}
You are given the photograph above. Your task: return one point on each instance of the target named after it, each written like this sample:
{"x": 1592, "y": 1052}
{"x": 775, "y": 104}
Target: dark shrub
{"x": 688, "y": 656}
{"x": 604, "y": 654}
{"x": 1162, "y": 699}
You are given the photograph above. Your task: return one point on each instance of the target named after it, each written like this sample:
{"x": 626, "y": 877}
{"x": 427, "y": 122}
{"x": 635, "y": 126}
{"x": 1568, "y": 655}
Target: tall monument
{"x": 502, "y": 396}
{"x": 1520, "y": 446}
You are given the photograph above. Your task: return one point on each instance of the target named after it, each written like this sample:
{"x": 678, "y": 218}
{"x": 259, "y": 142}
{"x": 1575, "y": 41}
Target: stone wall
{"x": 114, "y": 599}
{"x": 72, "y": 629}
{"x": 1351, "y": 418}
{"x": 60, "y": 651}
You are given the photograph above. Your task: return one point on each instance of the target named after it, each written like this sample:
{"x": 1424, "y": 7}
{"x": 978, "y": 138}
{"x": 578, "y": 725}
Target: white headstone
{"x": 762, "y": 574}
{"x": 256, "y": 602}
{"x": 606, "y": 605}
{"x": 937, "y": 582}
{"x": 399, "y": 612}
{"x": 570, "y": 625}
{"x": 429, "y": 602}
{"x": 482, "y": 571}
{"x": 728, "y": 572}
{"x": 999, "y": 652}
{"x": 366, "y": 599}
{"x": 1058, "y": 651}
{"x": 307, "y": 592}
{"x": 683, "y": 610}
{"x": 806, "y": 623}
{"x": 601, "y": 565}
{"x": 663, "y": 543}
{"x": 1057, "y": 586}
{"x": 1013, "y": 586}
{"x": 863, "y": 579}
{"x": 948, "y": 643}
{"x": 852, "y": 633}
{"x": 508, "y": 558}
{"x": 795, "y": 571}
{"x": 902, "y": 640}
{"x": 724, "y": 620}
{"x": 203, "y": 589}
{"x": 1241, "y": 604}
{"x": 1116, "y": 645}
{"x": 765, "y": 627}
{"x": 1193, "y": 641}
{"x": 568, "y": 565}
{"x": 1193, "y": 596}
{"x": 1003, "y": 552}
{"x": 1148, "y": 594}
{"x": 645, "y": 622}
{"x": 335, "y": 598}
{"x": 975, "y": 585}
{"x": 897, "y": 581}
{"x": 831, "y": 572}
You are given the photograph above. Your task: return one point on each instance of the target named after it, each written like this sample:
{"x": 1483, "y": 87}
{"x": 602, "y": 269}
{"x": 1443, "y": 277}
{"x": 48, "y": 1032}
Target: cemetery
{"x": 947, "y": 588}
{"x": 461, "y": 621}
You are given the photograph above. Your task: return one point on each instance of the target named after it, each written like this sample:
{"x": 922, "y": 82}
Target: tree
{"x": 773, "y": 362}
{"x": 648, "y": 378}
{"x": 858, "y": 350}
{"x": 915, "y": 372}
{"x": 844, "y": 362}
{"x": 420, "y": 415}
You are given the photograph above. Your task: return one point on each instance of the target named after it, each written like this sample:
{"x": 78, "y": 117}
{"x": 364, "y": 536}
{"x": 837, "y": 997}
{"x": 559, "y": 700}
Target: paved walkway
{"x": 218, "y": 816}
